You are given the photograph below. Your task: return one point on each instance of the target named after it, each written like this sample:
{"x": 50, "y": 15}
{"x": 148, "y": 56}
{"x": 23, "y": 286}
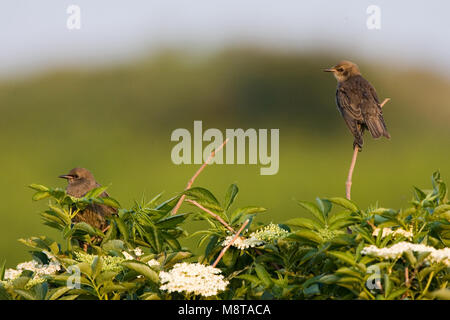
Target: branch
{"x": 384, "y": 102}
{"x": 191, "y": 181}
{"x": 229, "y": 244}
{"x": 348, "y": 183}
{"x": 212, "y": 213}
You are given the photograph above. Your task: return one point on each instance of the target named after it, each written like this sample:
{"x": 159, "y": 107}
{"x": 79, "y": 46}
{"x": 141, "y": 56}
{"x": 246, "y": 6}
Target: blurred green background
{"x": 117, "y": 121}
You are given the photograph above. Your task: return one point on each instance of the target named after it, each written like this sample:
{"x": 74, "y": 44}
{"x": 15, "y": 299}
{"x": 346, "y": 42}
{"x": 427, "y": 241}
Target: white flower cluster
{"x": 269, "y": 233}
{"x": 193, "y": 278}
{"x": 396, "y": 250}
{"x": 109, "y": 263}
{"x": 34, "y": 266}
{"x": 153, "y": 263}
{"x": 137, "y": 252}
{"x": 397, "y": 232}
{"x": 242, "y": 243}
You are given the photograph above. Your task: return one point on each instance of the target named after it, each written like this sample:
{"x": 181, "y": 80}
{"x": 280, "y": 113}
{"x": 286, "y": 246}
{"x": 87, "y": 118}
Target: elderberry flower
{"x": 269, "y": 233}
{"x": 396, "y": 250}
{"x": 194, "y": 278}
{"x": 397, "y": 232}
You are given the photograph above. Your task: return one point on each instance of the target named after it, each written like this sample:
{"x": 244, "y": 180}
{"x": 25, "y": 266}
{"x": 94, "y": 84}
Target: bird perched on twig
{"x": 358, "y": 103}
{"x": 81, "y": 181}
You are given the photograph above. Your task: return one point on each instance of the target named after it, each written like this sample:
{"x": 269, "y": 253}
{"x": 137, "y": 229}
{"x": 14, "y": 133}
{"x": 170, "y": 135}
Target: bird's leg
{"x": 348, "y": 183}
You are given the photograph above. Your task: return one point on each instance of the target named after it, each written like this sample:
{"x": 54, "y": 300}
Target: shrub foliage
{"x": 335, "y": 251}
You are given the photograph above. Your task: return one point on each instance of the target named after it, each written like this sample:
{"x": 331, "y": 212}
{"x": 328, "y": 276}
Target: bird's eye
{"x": 340, "y": 69}
{"x": 75, "y": 176}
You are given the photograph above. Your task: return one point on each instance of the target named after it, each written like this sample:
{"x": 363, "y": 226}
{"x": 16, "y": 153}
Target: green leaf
{"x": 442, "y": 294}
{"x": 329, "y": 279}
{"x": 96, "y": 266}
{"x": 241, "y": 214}
{"x": 2, "y": 270}
{"x": 251, "y": 278}
{"x": 40, "y": 290}
{"x": 56, "y": 294}
{"x": 230, "y": 257}
{"x": 106, "y": 276}
{"x": 397, "y": 293}
{"x": 231, "y": 195}
{"x": 345, "y": 203}
{"x": 27, "y": 295}
{"x": 306, "y": 235}
{"x": 419, "y": 194}
{"x": 122, "y": 227}
{"x": 110, "y": 202}
{"x": 304, "y": 223}
{"x": 175, "y": 257}
{"x": 40, "y": 257}
{"x": 38, "y": 187}
{"x": 314, "y": 210}
{"x": 171, "y": 221}
{"x": 60, "y": 213}
{"x": 340, "y": 223}
{"x": 4, "y": 295}
{"x": 324, "y": 206}
{"x": 168, "y": 205}
{"x": 343, "y": 256}
{"x": 409, "y": 255}
{"x": 312, "y": 290}
{"x": 94, "y": 193}
{"x": 122, "y": 286}
{"x": 40, "y": 195}
{"x": 204, "y": 197}
{"x": 143, "y": 269}
{"x": 114, "y": 245}
{"x": 85, "y": 268}
{"x": 263, "y": 275}
{"x": 387, "y": 285}
{"x": 86, "y": 228}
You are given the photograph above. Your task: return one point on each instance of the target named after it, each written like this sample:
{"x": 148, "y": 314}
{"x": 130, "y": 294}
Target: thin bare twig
{"x": 218, "y": 218}
{"x": 191, "y": 181}
{"x": 348, "y": 183}
{"x": 230, "y": 243}
{"x": 384, "y": 102}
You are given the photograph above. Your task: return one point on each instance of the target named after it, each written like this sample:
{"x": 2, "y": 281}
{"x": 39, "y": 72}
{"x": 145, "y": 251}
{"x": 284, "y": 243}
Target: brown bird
{"x": 81, "y": 181}
{"x": 358, "y": 103}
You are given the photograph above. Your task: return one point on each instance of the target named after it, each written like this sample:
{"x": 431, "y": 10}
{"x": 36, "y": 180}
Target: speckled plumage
{"x": 358, "y": 103}
{"x": 80, "y": 181}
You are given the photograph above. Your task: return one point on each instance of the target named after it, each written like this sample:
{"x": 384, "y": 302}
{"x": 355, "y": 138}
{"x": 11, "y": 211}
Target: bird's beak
{"x": 329, "y": 70}
{"x": 65, "y": 176}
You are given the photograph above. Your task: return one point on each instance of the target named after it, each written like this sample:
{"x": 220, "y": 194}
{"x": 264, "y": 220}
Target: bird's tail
{"x": 377, "y": 127}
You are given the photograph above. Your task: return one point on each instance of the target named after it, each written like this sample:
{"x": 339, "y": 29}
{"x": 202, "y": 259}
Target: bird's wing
{"x": 373, "y": 92}
{"x": 349, "y": 109}
{"x": 371, "y": 110}
{"x": 348, "y": 103}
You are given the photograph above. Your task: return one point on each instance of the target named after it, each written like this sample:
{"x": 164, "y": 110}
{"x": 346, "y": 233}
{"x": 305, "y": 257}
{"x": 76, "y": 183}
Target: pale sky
{"x": 34, "y": 35}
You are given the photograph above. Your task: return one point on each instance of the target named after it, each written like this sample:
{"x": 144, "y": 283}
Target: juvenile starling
{"x": 358, "y": 103}
{"x": 80, "y": 182}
